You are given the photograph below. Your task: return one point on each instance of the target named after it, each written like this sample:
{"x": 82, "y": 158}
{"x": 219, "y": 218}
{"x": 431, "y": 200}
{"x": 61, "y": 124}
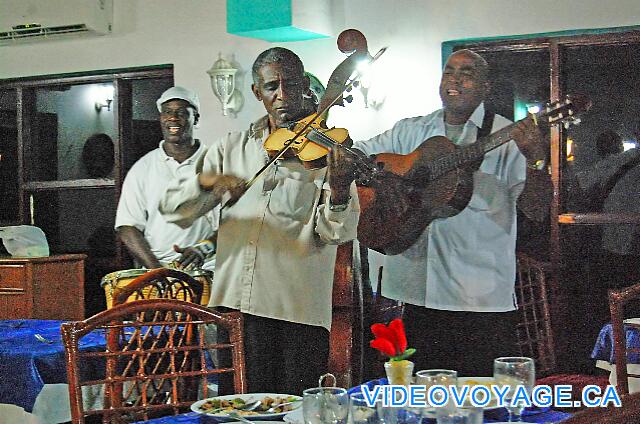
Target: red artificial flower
{"x": 391, "y": 340}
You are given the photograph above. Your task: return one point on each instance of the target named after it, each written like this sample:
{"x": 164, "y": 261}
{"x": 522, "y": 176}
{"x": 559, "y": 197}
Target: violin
{"x": 309, "y": 139}
{"x": 302, "y": 146}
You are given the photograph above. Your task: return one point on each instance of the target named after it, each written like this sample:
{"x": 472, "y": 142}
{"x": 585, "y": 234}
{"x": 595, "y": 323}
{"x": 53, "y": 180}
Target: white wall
{"x": 189, "y": 34}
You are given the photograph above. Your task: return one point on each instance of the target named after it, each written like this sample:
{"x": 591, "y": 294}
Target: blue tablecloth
{"x": 604, "y": 345}
{"x": 534, "y": 415}
{"x": 27, "y": 364}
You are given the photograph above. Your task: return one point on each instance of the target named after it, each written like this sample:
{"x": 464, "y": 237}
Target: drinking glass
{"x": 461, "y": 416}
{"x": 513, "y": 371}
{"x": 455, "y": 416}
{"x": 437, "y": 377}
{"x": 398, "y": 415}
{"x": 361, "y": 412}
{"x": 325, "y": 405}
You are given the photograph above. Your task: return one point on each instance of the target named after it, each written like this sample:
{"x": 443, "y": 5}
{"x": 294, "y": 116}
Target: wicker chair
{"x": 628, "y": 413}
{"x": 155, "y": 361}
{"x": 618, "y": 299}
{"x": 534, "y": 330}
{"x": 160, "y": 283}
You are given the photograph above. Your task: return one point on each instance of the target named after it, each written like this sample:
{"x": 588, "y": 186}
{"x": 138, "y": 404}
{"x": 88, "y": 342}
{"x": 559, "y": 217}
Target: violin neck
{"x": 320, "y": 138}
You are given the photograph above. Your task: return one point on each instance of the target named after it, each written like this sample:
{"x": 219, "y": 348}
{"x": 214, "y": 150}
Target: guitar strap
{"x": 487, "y": 123}
{"x": 483, "y": 131}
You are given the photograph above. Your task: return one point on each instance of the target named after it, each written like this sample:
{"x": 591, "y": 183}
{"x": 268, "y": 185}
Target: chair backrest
{"x": 155, "y": 360}
{"x": 618, "y": 299}
{"x": 534, "y": 331}
{"x": 161, "y": 283}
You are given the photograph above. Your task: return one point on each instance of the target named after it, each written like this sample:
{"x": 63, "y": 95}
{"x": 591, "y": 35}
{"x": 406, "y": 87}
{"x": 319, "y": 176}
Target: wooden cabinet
{"x": 42, "y": 288}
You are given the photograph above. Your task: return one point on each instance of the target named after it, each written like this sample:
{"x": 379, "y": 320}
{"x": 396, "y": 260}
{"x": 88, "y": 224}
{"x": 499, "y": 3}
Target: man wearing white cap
{"x": 152, "y": 241}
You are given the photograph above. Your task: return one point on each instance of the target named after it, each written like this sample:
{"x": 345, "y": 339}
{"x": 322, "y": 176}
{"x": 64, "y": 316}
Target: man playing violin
{"x": 457, "y": 279}
{"x": 278, "y": 237}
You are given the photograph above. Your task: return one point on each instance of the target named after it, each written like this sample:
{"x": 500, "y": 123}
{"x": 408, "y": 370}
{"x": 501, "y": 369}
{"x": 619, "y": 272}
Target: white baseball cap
{"x": 180, "y": 93}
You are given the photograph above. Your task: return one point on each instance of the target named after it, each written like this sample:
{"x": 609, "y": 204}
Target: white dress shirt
{"x": 142, "y": 189}
{"x": 277, "y": 245}
{"x": 465, "y": 262}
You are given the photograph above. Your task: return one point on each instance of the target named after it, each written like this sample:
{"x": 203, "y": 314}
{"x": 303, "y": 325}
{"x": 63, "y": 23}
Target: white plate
{"x": 294, "y": 417}
{"x": 261, "y": 422}
{"x": 486, "y": 381}
{"x": 247, "y": 397}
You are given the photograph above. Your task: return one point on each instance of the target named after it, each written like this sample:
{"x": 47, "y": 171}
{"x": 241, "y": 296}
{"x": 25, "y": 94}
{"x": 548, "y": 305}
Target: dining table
{"x": 604, "y": 353}
{"x": 33, "y": 374}
{"x": 530, "y": 415}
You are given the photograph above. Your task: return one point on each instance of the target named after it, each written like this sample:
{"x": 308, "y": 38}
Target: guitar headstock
{"x": 565, "y": 111}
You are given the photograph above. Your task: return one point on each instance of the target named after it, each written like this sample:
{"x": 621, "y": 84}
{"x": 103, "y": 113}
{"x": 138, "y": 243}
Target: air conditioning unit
{"x": 32, "y": 20}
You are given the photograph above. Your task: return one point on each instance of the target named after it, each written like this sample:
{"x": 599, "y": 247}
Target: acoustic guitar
{"x": 401, "y": 194}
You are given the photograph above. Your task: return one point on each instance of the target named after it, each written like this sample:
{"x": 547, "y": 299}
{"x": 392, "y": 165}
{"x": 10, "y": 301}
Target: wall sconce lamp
{"x": 107, "y": 104}
{"x": 223, "y": 84}
{"x": 105, "y": 97}
{"x": 370, "y": 85}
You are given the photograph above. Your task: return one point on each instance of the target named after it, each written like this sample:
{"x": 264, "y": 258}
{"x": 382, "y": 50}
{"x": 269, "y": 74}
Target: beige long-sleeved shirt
{"x": 277, "y": 245}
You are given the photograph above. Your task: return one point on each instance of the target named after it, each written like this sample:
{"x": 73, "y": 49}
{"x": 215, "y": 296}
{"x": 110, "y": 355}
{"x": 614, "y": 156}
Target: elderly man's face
{"x": 177, "y": 118}
{"x": 280, "y": 88}
{"x": 463, "y": 85}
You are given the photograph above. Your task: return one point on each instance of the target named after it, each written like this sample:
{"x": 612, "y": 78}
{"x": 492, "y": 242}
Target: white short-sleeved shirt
{"x": 465, "y": 262}
{"x": 142, "y": 190}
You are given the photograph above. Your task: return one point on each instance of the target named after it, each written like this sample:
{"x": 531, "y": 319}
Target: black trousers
{"x": 467, "y": 342}
{"x": 280, "y": 356}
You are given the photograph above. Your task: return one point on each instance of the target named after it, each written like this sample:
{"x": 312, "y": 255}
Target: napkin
{"x": 24, "y": 241}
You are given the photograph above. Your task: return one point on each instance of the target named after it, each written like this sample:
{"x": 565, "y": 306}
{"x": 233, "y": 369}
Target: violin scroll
{"x": 354, "y": 43}
{"x": 352, "y": 40}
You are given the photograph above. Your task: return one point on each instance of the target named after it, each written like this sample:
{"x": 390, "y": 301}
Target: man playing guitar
{"x": 457, "y": 279}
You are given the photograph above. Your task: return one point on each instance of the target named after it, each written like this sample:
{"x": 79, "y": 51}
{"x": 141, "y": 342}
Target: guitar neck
{"x": 470, "y": 153}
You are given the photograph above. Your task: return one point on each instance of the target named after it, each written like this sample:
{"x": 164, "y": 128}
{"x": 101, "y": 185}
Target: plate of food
{"x": 254, "y": 406}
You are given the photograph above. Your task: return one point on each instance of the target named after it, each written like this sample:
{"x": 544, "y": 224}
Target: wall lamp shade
{"x": 279, "y": 20}
{"x": 223, "y": 84}
{"x": 104, "y": 97}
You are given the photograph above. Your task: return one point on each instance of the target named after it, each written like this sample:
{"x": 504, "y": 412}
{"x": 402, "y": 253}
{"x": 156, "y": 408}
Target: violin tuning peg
{"x": 348, "y": 99}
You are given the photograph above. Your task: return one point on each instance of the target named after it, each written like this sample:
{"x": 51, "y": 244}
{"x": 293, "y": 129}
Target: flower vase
{"x": 399, "y": 372}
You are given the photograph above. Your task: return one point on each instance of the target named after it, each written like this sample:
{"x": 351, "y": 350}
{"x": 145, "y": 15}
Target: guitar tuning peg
{"x": 356, "y": 84}
{"x": 348, "y": 90}
{"x": 348, "y": 99}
